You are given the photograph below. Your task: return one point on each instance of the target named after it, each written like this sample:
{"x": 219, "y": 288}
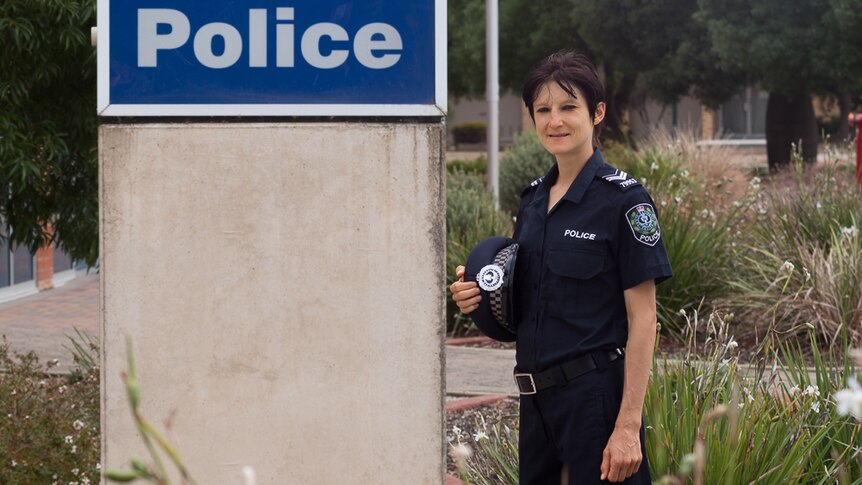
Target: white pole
{"x": 492, "y": 94}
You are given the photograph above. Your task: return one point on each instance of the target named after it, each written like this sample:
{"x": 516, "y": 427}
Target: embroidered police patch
{"x": 644, "y": 224}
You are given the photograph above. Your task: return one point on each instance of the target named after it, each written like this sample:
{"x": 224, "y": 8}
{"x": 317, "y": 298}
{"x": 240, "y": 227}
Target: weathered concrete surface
{"x": 283, "y": 288}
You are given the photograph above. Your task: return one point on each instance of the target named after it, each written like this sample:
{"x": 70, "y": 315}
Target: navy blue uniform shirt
{"x": 575, "y": 261}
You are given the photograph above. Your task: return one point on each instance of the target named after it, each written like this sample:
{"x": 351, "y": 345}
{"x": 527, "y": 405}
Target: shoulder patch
{"x": 617, "y": 177}
{"x": 644, "y": 224}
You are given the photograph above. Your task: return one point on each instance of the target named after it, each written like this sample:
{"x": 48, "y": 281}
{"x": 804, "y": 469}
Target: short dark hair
{"x": 569, "y": 71}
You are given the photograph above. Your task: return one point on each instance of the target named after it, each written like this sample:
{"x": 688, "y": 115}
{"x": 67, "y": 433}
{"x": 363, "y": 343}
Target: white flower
{"x": 14, "y": 463}
{"x": 678, "y": 199}
{"x": 755, "y": 182}
{"x": 74, "y": 448}
{"x": 684, "y": 173}
{"x": 787, "y": 267}
{"x": 85, "y": 481}
{"x": 741, "y": 405}
{"x": 812, "y": 391}
{"x": 68, "y": 440}
{"x": 75, "y": 471}
{"x": 78, "y": 425}
{"x": 849, "y": 400}
{"x": 653, "y": 167}
{"x": 818, "y": 205}
{"x": 14, "y": 392}
{"x": 480, "y": 435}
{"x": 815, "y": 406}
{"x": 731, "y": 344}
{"x": 98, "y": 466}
{"x": 249, "y": 475}
{"x": 849, "y": 231}
{"x": 61, "y": 389}
{"x": 806, "y": 273}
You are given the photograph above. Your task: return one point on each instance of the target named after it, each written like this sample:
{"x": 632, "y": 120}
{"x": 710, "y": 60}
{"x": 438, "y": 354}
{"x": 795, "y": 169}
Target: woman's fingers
{"x": 459, "y": 273}
{"x": 466, "y": 295}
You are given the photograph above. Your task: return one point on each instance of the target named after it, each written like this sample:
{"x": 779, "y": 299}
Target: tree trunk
{"x": 790, "y": 121}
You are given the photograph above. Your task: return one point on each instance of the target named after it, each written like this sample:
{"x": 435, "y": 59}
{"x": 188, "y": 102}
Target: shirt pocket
{"x": 575, "y": 288}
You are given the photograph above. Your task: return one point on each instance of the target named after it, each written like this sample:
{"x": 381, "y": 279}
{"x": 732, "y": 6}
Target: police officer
{"x": 591, "y": 253}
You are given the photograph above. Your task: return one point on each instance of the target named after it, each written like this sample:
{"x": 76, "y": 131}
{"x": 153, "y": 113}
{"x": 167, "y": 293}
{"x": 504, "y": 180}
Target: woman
{"x": 590, "y": 256}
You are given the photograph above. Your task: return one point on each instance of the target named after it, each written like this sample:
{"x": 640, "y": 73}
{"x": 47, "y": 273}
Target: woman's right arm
{"x": 465, "y": 293}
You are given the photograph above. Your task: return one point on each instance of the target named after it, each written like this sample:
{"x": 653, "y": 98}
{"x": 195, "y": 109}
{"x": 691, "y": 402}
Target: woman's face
{"x": 563, "y": 123}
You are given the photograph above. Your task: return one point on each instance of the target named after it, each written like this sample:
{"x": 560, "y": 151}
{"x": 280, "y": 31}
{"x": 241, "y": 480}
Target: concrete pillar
{"x": 283, "y": 287}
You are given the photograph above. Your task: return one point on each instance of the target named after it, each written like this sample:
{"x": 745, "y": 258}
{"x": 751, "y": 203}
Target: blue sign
{"x": 259, "y": 57}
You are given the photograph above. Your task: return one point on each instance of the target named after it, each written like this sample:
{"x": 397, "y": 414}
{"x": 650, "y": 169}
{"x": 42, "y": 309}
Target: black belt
{"x": 558, "y": 376}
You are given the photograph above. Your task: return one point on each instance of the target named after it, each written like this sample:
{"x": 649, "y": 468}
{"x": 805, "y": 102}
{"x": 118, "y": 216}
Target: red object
{"x": 856, "y": 122}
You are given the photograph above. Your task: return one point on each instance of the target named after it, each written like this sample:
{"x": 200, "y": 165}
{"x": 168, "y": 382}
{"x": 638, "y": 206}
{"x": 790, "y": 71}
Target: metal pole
{"x": 492, "y": 94}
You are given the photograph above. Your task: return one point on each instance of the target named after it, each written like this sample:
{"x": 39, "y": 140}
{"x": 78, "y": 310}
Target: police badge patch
{"x": 644, "y": 224}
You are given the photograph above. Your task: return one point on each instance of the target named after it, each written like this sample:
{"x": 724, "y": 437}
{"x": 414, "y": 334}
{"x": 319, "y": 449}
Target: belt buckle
{"x": 532, "y": 384}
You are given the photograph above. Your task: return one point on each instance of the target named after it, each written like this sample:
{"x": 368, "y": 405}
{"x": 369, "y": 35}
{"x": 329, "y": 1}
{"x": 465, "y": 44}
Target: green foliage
{"x": 50, "y": 428}
{"x": 525, "y": 161}
{"x": 711, "y": 419}
{"x": 470, "y": 132}
{"x": 470, "y": 218}
{"x": 48, "y": 124}
{"x": 477, "y": 166}
{"x": 748, "y": 424}
{"x": 466, "y": 47}
{"x": 802, "y": 263}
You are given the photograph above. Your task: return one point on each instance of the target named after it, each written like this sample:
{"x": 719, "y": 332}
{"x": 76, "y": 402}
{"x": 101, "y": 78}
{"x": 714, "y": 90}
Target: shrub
{"x": 470, "y": 132}
{"x": 525, "y": 161}
{"x": 49, "y": 431}
{"x": 478, "y": 166}
{"x": 803, "y": 261}
{"x": 470, "y": 218}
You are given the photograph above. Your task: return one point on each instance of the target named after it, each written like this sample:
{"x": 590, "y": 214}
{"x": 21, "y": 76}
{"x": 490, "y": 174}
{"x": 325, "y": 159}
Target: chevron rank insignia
{"x": 621, "y": 179}
{"x": 536, "y": 182}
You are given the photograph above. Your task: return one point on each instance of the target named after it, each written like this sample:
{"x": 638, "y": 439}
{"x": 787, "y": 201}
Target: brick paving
{"x": 44, "y": 321}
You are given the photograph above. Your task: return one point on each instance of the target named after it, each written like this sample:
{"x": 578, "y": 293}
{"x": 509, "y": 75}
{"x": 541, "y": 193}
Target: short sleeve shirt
{"x": 575, "y": 261}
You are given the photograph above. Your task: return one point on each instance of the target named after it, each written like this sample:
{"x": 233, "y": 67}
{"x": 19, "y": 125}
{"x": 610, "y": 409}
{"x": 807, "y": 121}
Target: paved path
{"x": 474, "y": 371}
{"x": 43, "y": 321}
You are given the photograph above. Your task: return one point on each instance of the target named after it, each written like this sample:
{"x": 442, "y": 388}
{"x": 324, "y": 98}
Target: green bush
{"x": 470, "y": 132}
{"x": 525, "y": 161}
{"x": 478, "y": 166}
{"x": 49, "y": 431}
{"x": 470, "y": 218}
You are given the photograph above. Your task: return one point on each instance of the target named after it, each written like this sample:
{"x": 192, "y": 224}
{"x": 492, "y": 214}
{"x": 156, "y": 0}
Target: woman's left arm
{"x": 622, "y": 455}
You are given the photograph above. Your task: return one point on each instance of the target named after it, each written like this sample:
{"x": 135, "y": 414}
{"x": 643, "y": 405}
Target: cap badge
{"x": 490, "y": 277}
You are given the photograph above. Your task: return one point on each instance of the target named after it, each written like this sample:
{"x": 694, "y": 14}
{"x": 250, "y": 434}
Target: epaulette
{"x": 533, "y": 185}
{"x": 617, "y": 177}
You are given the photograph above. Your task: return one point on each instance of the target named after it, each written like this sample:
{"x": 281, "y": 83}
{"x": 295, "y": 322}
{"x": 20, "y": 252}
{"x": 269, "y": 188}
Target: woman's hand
{"x": 465, "y": 294}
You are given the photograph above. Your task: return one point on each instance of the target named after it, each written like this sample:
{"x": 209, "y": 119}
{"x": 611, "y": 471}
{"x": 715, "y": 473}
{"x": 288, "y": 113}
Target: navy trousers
{"x": 568, "y": 427}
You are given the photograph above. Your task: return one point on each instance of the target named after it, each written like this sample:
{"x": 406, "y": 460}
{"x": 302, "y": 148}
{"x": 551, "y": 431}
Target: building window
{"x": 744, "y": 116}
{"x": 16, "y": 264}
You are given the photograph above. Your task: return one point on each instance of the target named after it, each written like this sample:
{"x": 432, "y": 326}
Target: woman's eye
{"x": 543, "y": 110}
{"x": 569, "y": 107}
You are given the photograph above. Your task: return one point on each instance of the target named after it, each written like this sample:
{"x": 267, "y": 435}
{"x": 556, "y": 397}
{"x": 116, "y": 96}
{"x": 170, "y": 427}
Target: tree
{"x": 785, "y": 46}
{"x": 48, "y": 161}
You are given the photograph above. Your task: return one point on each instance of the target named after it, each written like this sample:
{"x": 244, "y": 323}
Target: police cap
{"x": 492, "y": 265}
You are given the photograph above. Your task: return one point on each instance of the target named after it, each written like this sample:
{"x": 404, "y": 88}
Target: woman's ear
{"x": 600, "y": 113}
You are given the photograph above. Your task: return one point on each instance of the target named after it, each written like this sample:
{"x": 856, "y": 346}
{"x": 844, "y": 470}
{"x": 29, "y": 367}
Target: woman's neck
{"x": 570, "y": 166}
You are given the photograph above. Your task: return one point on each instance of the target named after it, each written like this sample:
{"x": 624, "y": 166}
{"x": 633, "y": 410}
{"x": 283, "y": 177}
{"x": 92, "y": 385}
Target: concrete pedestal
{"x": 283, "y": 288}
